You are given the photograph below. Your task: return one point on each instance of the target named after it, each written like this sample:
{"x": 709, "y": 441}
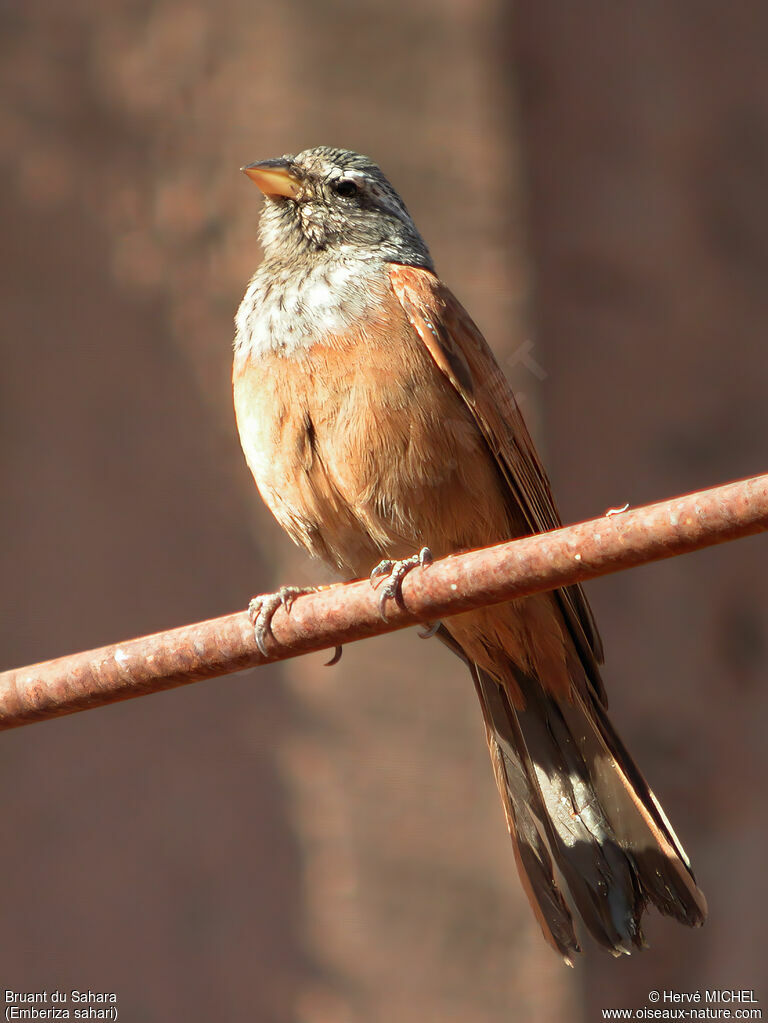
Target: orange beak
{"x": 274, "y": 177}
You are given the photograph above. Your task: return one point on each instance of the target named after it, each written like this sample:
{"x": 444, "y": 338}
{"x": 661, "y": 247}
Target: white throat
{"x": 285, "y": 310}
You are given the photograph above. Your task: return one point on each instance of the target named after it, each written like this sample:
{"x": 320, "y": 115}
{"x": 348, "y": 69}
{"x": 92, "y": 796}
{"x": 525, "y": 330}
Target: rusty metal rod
{"x": 347, "y": 612}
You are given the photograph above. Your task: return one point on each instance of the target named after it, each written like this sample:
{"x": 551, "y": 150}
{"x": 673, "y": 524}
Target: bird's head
{"x": 334, "y": 201}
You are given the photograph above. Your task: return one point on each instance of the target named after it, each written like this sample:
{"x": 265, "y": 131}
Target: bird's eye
{"x": 346, "y": 188}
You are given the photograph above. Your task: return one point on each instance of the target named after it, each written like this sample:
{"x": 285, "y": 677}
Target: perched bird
{"x": 376, "y": 422}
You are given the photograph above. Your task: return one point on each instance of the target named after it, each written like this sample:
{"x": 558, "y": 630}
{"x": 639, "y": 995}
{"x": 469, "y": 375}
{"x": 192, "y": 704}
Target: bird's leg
{"x": 396, "y": 571}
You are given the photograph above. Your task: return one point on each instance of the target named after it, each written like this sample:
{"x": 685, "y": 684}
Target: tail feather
{"x": 640, "y": 824}
{"x": 600, "y": 876}
{"x": 572, "y": 793}
{"x": 534, "y": 863}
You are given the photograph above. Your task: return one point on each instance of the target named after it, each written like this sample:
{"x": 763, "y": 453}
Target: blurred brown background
{"x": 326, "y": 846}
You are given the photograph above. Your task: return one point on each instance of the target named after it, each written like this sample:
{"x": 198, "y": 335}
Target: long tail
{"x": 573, "y": 795}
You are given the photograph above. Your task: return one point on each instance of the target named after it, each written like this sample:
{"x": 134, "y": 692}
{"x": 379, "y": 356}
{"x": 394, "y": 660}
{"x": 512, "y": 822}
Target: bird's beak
{"x": 275, "y": 177}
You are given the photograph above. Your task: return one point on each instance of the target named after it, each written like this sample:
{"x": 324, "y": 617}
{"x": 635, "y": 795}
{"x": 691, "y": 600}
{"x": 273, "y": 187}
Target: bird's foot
{"x": 261, "y": 611}
{"x": 396, "y": 571}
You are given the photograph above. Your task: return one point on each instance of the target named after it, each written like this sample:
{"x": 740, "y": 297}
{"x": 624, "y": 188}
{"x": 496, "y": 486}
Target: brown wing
{"x": 462, "y": 354}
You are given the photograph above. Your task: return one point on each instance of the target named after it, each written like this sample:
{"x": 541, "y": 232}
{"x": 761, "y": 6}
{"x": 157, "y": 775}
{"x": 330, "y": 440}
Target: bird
{"x": 381, "y": 432}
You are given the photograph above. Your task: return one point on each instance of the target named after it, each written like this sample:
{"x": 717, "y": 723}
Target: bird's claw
{"x": 396, "y": 571}
{"x": 429, "y": 630}
{"x": 337, "y": 652}
{"x": 261, "y": 611}
{"x": 383, "y": 568}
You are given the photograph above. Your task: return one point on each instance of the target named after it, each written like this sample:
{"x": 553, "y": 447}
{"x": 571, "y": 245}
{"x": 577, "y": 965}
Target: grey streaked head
{"x": 334, "y": 201}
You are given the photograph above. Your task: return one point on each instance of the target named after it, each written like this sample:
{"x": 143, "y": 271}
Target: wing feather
{"x": 463, "y": 356}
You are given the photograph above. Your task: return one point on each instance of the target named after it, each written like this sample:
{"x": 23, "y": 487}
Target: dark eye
{"x": 346, "y": 188}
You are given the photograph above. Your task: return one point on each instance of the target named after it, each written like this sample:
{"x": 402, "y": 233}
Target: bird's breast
{"x": 361, "y": 448}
